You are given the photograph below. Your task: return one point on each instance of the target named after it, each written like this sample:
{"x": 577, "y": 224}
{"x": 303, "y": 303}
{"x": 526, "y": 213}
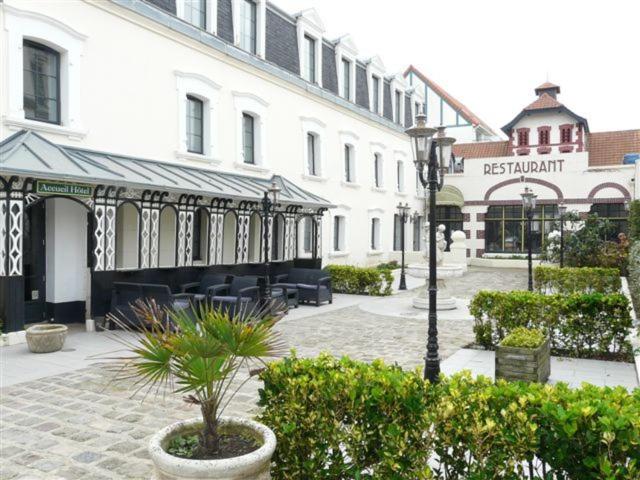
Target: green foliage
{"x": 359, "y": 280}
{"x": 391, "y": 265}
{"x": 576, "y": 279}
{"x": 196, "y": 353}
{"x": 523, "y": 337}
{"x": 184, "y": 446}
{"x": 590, "y": 325}
{"x": 634, "y": 220}
{"x": 634, "y": 274}
{"x": 338, "y": 419}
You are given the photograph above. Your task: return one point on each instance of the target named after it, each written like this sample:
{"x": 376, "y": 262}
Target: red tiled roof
{"x": 463, "y": 110}
{"x": 543, "y": 101}
{"x": 547, "y": 85}
{"x": 481, "y": 149}
{"x": 608, "y": 148}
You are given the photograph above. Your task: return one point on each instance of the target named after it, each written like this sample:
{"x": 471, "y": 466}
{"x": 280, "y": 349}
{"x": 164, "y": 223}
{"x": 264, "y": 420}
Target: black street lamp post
{"x": 562, "y": 209}
{"x": 432, "y": 152}
{"x": 269, "y": 206}
{"x": 529, "y": 204}
{"x": 403, "y": 215}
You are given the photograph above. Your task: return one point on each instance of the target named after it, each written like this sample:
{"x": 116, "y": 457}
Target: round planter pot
{"x": 253, "y": 466}
{"x": 46, "y": 337}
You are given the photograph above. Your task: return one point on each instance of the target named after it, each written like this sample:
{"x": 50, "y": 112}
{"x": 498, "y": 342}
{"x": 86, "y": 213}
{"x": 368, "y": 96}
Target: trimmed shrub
{"x": 634, "y": 275}
{"x": 576, "y": 279}
{"x": 522, "y": 337}
{"x": 589, "y": 325}
{"x": 359, "y": 280}
{"x": 634, "y": 220}
{"x": 339, "y": 419}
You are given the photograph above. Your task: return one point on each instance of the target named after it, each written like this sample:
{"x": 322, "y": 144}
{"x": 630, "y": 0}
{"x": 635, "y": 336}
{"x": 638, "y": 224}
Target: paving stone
{"x": 88, "y": 457}
{"x": 47, "y": 464}
{"x": 47, "y": 426}
{"x": 123, "y": 447}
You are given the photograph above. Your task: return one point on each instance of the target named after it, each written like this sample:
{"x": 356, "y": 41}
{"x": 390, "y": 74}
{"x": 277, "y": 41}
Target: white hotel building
{"x": 137, "y": 138}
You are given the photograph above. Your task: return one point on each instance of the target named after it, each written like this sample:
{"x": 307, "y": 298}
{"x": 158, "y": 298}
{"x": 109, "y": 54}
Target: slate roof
{"x": 28, "y": 154}
{"x": 609, "y": 148}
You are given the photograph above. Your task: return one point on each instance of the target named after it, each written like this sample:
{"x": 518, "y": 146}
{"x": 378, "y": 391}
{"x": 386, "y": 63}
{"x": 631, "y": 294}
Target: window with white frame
{"x": 249, "y": 26}
{"x": 346, "y": 79}
{"x": 307, "y": 234}
{"x": 248, "y": 139}
{"x": 400, "y": 176}
{"x": 398, "y": 225}
{"x": 195, "y": 12}
{"x": 251, "y": 131}
{"x": 309, "y": 31}
{"x": 377, "y": 170}
{"x": 313, "y": 154}
{"x": 418, "y": 226}
{"x": 197, "y": 105}
{"x": 375, "y": 76}
{"x": 397, "y": 116}
{"x": 313, "y": 131}
{"x": 375, "y": 93}
{"x": 309, "y": 66}
{"x": 375, "y": 234}
{"x": 43, "y": 62}
{"x": 349, "y": 164}
{"x": 339, "y": 233}
{"x": 346, "y": 54}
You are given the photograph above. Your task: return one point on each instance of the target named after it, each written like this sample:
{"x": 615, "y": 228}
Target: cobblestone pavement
{"x": 82, "y": 426}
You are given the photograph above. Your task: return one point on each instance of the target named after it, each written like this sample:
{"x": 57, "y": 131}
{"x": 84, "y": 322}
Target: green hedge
{"x": 590, "y": 325}
{"x": 577, "y": 279}
{"x": 359, "y": 280}
{"x": 338, "y": 419}
{"x": 634, "y": 220}
{"x": 634, "y": 275}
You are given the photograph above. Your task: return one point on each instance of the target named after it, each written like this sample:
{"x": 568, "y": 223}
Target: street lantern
{"x": 529, "y": 205}
{"x": 562, "y": 210}
{"x": 432, "y": 150}
{"x": 403, "y": 215}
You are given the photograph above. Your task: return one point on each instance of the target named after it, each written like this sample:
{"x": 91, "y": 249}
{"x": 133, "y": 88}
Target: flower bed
{"x": 589, "y": 325}
{"x": 576, "y": 280}
{"x": 359, "y": 280}
{"x": 342, "y": 419}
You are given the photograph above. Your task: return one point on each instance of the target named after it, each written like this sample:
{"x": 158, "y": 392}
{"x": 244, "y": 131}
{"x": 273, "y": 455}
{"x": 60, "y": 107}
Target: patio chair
{"x": 314, "y": 286}
{"x": 198, "y": 291}
{"x": 241, "y": 296}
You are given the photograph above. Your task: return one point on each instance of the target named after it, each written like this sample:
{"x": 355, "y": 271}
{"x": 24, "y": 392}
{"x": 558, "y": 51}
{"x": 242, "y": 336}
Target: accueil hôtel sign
{"x": 44, "y": 187}
{"x": 521, "y": 167}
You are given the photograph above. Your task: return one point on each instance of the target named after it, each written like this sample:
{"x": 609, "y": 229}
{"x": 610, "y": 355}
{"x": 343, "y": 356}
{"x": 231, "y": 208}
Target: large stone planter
{"x": 528, "y": 364}
{"x": 253, "y": 466}
{"x": 46, "y": 337}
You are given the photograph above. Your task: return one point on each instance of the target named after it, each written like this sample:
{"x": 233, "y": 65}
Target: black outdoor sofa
{"x": 314, "y": 286}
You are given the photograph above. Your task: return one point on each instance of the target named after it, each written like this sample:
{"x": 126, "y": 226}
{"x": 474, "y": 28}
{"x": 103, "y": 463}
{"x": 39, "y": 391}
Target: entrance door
{"x": 34, "y": 263}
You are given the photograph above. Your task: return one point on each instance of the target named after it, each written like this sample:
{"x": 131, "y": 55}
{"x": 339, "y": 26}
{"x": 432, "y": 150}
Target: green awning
{"x": 450, "y": 195}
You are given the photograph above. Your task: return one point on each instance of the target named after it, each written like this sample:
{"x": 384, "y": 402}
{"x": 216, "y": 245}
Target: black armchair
{"x": 314, "y": 286}
{"x": 239, "y": 297}
{"x": 198, "y": 291}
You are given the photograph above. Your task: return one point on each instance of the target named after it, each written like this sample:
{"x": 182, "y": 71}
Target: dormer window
{"x": 346, "y": 54}
{"x": 249, "y": 26}
{"x": 195, "y": 12}
{"x": 346, "y": 79}
{"x": 309, "y": 31}
{"x": 375, "y": 93}
{"x": 543, "y": 136}
{"x": 566, "y": 134}
{"x": 398, "y": 107}
{"x": 309, "y": 66}
{"x": 523, "y": 137}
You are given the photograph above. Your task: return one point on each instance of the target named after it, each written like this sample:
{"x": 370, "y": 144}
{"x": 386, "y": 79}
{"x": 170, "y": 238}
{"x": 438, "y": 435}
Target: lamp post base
{"x": 403, "y": 282}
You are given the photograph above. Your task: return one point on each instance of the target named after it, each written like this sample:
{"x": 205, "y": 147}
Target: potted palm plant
{"x": 198, "y": 353}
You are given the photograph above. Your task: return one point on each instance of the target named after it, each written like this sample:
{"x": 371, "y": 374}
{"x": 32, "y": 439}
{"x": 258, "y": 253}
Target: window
{"x": 195, "y": 125}
{"x": 506, "y": 228}
{"x": 397, "y": 232}
{"x": 349, "y": 170}
{"x": 398, "y": 106}
{"x": 195, "y": 12}
{"x": 616, "y": 214}
{"x": 400, "y": 175}
{"x": 451, "y": 217}
{"x": 312, "y": 154}
{"x": 375, "y": 234}
{"x": 375, "y": 93}
{"x": 377, "y": 171}
{"x": 41, "y": 79}
{"x": 418, "y": 226}
{"x": 566, "y": 134}
{"x": 309, "y": 68}
{"x": 338, "y": 233}
{"x": 523, "y": 137}
{"x": 248, "y": 26}
{"x": 543, "y": 136}
{"x": 346, "y": 79}
{"x": 307, "y": 227}
{"x": 248, "y": 138}
{"x": 417, "y": 108}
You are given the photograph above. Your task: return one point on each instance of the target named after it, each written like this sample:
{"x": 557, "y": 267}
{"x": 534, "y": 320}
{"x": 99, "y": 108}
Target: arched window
{"x": 200, "y": 235}
{"x": 229, "y": 238}
{"x": 168, "y": 236}
{"x": 617, "y": 215}
{"x": 127, "y": 223}
{"x": 195, "y": 125}
{"x": 451, "y": 217}
{"x": 506, "y": 227}
{"x": 255, "y": 237}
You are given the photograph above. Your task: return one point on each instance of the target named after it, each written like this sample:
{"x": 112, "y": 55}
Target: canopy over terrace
{"x": 33, "y": 168}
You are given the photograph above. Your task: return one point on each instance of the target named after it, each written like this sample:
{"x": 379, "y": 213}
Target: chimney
{"x": 548, "y": 88}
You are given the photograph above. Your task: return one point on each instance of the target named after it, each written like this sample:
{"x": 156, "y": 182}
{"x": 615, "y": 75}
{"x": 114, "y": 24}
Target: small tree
{"x": 196, "y": 352}
{"x": 634, "y": 220}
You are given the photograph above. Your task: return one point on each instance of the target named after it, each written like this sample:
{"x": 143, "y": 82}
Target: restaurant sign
{"x": 62, "y": 188}
{"x": 527, "y": 166}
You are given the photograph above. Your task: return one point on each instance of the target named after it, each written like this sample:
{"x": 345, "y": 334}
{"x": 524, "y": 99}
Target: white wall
{"x": 66, "y": 244}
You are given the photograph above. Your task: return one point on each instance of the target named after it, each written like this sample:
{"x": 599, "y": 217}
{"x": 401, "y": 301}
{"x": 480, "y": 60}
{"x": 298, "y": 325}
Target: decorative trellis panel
{"x": 188, "y": 238}
{"x": 16, "y": 215}
{"x": 4, "y": 206}
{"x": 216, "y": 237}
{"x": 242, "y": 237}
{"x": 317, "y": 250}
{"x": 182, "y": 233}
{"x": 289, "y": 237}
{"x": 110, "y": 235}
{"x": 154, "y": 236}
{"x": 98, "y": 237}
{"x": 145, "y": 234}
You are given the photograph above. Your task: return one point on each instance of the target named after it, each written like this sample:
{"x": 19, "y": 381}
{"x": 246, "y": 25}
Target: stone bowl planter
{"x": 528, "y": 364}
{"x": 253, "y": 466}
{"x": 46, "y": 337}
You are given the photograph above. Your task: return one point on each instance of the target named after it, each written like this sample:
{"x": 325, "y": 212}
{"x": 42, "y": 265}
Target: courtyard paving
{"x": 62, "y": 418}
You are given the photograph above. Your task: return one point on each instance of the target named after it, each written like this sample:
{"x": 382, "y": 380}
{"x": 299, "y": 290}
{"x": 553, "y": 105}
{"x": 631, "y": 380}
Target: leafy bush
{"x": 523, "y": 337}
{"x": 576, "y": 279}
{"x": 338, "y": 419}
{"x": 634, "y": 275}
{"x": 634, "y": 220}
{"x": 359, "y": 280}
{"x": 589, "y": 325}
{"x": 391, "y": 265}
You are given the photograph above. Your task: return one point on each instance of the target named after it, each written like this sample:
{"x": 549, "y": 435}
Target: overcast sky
{"x": 491, "y": 54}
